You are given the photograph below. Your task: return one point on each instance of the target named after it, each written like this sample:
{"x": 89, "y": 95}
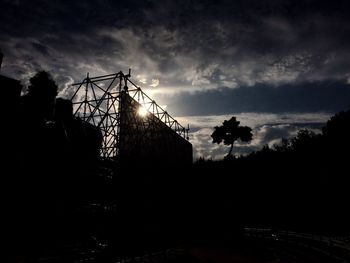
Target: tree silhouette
{"x": 230, "y": 131}
{"x": 39, "y": 102}
{"x": 338, "y": 127}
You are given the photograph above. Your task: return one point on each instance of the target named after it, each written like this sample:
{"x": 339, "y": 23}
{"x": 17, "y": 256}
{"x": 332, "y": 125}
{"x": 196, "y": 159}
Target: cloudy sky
{"x": 278, "y": 66}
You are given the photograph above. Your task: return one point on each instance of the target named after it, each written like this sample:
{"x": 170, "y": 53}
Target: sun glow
{"x": 142, "y": 111}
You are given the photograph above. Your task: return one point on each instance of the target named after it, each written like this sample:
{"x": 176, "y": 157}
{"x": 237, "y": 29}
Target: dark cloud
{"x": 42, "y": 49}
{"x": 198, "y": 57}
{"x": 191, "y": 44}
{"x": 331, "y": 96}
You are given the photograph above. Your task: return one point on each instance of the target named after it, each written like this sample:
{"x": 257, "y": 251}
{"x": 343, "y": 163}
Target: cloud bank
{"x": 185, "y": 46}
{"x": 268, "y": 129}
{"x": 205, "y": 59}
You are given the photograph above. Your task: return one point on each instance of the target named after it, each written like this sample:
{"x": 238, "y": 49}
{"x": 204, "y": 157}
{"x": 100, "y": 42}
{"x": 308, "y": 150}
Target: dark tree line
{"x": 50, "y": 154}
{"x": 301, "y": 183}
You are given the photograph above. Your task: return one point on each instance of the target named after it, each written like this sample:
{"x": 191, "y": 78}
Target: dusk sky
{"x": 278, "y": 66}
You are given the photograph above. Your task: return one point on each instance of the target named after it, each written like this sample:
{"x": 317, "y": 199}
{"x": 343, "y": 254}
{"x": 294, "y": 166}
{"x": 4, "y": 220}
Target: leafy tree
{"x": 338, "y": 127}
{"x": 230, "y": 131}
{"x": 303, "y": 142}
{"x": 39, "y": 103}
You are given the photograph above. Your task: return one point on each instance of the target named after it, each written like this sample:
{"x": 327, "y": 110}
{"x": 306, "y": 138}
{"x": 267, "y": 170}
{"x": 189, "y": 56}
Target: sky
{"x": 277, "y": 65}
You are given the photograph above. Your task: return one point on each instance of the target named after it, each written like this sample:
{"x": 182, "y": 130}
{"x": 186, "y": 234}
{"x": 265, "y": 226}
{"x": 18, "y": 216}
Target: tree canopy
{"x": 231, "y": 131}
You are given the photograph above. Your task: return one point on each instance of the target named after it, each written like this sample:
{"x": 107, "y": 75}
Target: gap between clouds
{"x": 267, "y": 128}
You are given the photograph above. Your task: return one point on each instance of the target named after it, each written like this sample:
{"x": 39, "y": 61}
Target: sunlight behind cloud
{"x": 155, "y": 83}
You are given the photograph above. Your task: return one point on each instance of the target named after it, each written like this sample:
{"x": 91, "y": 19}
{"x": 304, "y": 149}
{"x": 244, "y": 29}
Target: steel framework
{"x": 101, "y": 101}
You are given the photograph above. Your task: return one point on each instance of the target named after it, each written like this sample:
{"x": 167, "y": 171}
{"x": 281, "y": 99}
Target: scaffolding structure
{"x": 127, "y": 117}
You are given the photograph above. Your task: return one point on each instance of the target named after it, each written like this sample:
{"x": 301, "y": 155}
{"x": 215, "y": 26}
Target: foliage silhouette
{"x": 337, "y": 130}
{"x": 63, "y": 193}
{"x": 40, "y": 99}
{"x": 54, "y": 154}
{"x": 300, "y": 184}
{"x": 229, "y": 132}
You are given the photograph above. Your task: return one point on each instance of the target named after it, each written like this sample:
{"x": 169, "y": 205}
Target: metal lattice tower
{"x": 99, "y": 101}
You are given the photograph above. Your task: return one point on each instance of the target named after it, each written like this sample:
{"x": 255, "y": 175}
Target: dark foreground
{"x": 65, "y": 204}
{"x": 149, "y": 215}
{"x": 256, "y": 246}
